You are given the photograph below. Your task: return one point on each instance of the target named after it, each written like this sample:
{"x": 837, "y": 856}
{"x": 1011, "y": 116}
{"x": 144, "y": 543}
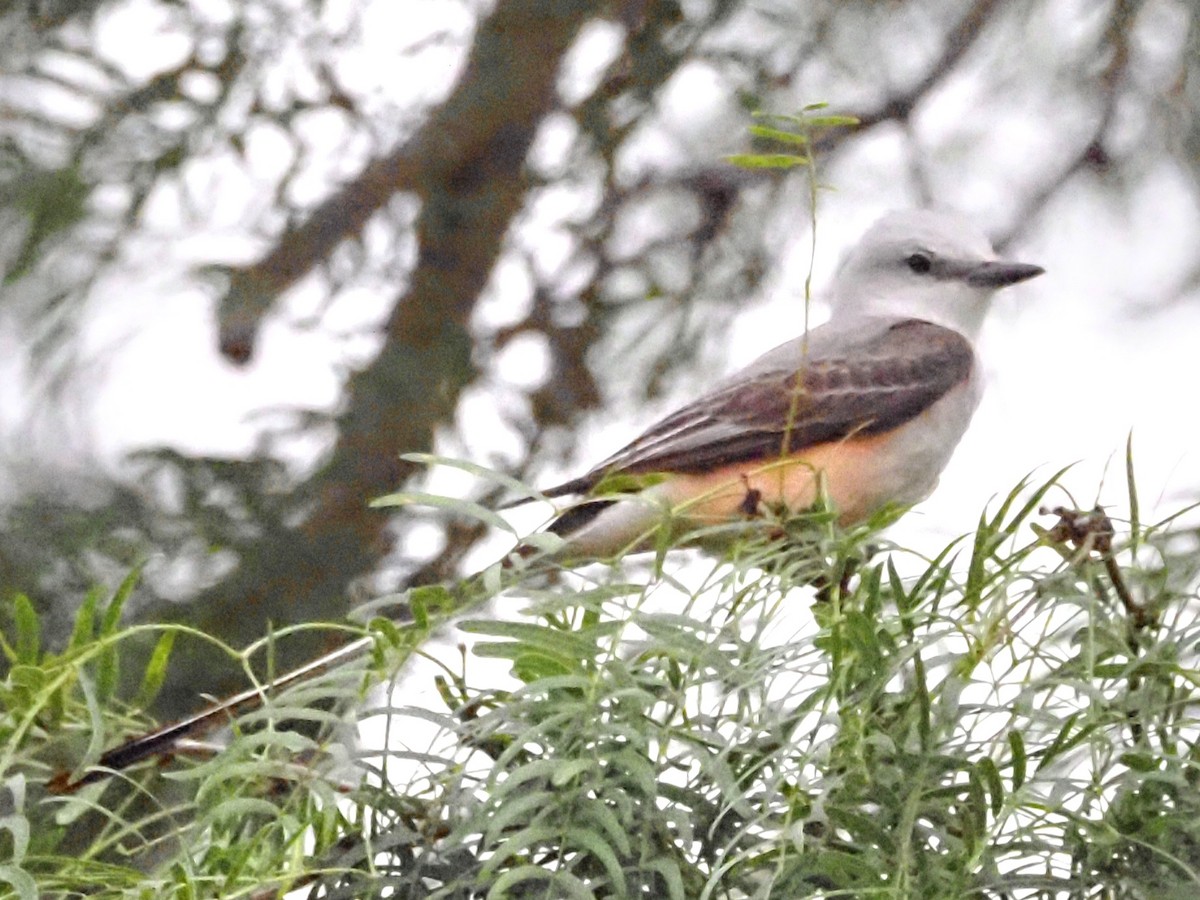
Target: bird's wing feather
{"x": 866, "y": 381}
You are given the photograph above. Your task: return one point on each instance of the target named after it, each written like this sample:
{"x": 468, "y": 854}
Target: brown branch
{"x": 467, "y": 169}
{"x": 900, "y": 106}
{"x": 483, "y": 128}
{"x": 1091, "y": 155}
{"x": 1091, "y": 532}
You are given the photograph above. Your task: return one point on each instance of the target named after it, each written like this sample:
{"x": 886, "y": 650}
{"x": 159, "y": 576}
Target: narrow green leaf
{"x": 776, "y": 134}
{"x": 455, "y": 505}
{"x": 900, "y": 596}
{"x": 392, "y": 633}
{"x": 976, "y": 576}
{"x": 533, "y": 666}
{"x": 832, "y": 121}
{"x": 602, "y": 816}
{"x": 519, "y": 843}
{"x": 84, "y": 630}
{"x": 990, "y": 776}
{"x": 1034, "y": 501}
{"x": 532, "y": 635}
{"x": 434, "y": 598}
{"x": 1019, "y": 759}
{"x": 483, "y": 472}
{"x": 1135, "y": 518}
{"x": 569, "y": 769}
{"x": 156, "y": 670}
{"x": 785, "y": 118}
{"x": 112, "y": 614}
{"x": 238, "y": 808}
{"x": 845, "y": 869}
{"x": 516, "y": 780}
{"x": 936, "y": 574}
{"x": 1060, "y": 741}
{"x": 107, "y": 661}
{"x": 28, "y": 644}
{"x": 593, "y": 843}
{"x": 108, "y": 669}
{"x": 559, "y": 884}
{"x": 870, "y": 589}
{"x": 97, "y": 735}
{"x": 766, "y": 160}
{"x": 420, "y": 612}
{"x": 517, "y": 811}
{"x": 624, "y": 483}
{"x": 1139, "y": 762}
{"x": 635, "y": 769}
{"x": 668, "y": 870}
{"x": 975, "y": 809}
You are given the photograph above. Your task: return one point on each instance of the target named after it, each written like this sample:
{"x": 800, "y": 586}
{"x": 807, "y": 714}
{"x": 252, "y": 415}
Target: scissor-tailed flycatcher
{"x": 873, "y": 403}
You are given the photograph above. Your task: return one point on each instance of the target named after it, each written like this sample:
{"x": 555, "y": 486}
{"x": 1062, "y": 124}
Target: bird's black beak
{"x": 998, "y": 273}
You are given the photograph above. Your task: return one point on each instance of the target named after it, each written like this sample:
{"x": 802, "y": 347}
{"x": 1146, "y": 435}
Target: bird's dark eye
{"x": 919, "y": 263}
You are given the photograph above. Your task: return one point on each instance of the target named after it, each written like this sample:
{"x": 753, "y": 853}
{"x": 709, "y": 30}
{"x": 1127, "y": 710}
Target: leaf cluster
{"x": 814, "y": 714}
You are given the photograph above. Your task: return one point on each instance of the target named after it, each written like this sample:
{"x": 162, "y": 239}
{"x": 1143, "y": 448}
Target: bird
{"x": 866, "y": 408}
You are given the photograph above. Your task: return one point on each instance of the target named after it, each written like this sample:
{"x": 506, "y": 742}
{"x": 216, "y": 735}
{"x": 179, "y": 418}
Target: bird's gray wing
{"x": 844, "y": 382}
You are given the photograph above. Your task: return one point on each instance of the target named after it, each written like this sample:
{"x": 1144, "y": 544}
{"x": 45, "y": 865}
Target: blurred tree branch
{"x": 466, "y": 166}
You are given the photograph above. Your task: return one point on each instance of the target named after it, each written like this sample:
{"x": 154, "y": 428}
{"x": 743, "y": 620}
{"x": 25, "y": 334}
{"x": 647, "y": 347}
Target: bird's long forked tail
{"x": 428, "y": 608}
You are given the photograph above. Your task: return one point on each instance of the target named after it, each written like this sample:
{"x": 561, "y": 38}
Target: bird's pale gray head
{"x": 928, "y": 265}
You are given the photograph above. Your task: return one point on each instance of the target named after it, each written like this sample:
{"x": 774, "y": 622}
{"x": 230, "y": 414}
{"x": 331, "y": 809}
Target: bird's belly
{"x": 860, "y": 474}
